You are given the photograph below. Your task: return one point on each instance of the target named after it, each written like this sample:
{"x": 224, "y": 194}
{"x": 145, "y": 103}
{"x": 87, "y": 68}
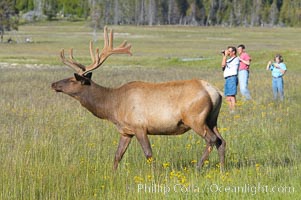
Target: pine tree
{"x": 8, "y": 17}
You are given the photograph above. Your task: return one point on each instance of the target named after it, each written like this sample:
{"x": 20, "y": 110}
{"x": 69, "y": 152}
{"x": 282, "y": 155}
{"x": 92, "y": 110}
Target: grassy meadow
{"x": 52, "y": 148}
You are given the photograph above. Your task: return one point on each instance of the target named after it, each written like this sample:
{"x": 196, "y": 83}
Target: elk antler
{"x": 97, "y": 58}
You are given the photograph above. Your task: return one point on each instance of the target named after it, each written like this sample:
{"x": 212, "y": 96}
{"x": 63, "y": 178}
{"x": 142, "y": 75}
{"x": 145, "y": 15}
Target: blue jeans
{"x": 243, "y": 76}
{"x": 277, "y": 85}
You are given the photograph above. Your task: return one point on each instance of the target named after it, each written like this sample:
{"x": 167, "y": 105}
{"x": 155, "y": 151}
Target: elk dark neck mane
{"x": 98, "y": 100}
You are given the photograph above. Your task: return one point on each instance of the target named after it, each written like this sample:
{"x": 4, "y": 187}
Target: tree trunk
{"x": 116, "y": 12}
{"x": 141, "y": 12}
{"x": 273, "y": 13}
{"x": 169, "y": 11}
{"x": 255, "y": 18}
{"x": 151, "y": 12}
{"x": 1, "y": 37}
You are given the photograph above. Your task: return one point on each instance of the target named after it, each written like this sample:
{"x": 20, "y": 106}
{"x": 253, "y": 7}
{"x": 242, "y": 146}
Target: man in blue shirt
{"x": 278, "y": 69}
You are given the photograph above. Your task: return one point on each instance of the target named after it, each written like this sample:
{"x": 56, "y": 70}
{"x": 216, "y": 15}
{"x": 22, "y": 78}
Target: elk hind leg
{"x": 211, "y": 139}
{"x": 205, "y": 155}
{"x": 221, "y": 147}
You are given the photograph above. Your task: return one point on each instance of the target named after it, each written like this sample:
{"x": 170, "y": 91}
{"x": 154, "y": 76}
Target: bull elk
{"x": 141, "y": 108}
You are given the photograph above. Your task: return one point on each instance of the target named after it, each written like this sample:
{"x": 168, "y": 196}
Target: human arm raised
{"x": 247, "y": 62}
{"x": 268, "y": 65}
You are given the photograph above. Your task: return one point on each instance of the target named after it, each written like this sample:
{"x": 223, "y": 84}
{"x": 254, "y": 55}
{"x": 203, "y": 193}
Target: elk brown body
{"x": 140, "y": 108}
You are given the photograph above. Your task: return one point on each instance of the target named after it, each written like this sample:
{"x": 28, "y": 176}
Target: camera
{"x": 223, "y": 52}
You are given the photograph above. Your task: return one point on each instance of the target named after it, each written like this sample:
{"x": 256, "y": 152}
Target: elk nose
{"x": 53, "y": 85}
{"x": 56, "y": 86}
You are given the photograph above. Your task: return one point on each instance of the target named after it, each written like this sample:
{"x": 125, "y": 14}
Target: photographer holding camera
{"x": 230, "y": 64}
{"x": 278, "y": 69}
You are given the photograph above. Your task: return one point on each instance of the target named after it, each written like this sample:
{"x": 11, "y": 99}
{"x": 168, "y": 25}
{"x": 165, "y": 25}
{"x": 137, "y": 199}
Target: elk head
{"x": 82, "y": 77}
{"x": 73, "y": 85}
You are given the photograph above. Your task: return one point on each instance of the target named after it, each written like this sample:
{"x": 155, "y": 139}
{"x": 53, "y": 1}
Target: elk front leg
{"x": 122, "y": 146}
{"x": 145, "y": 144}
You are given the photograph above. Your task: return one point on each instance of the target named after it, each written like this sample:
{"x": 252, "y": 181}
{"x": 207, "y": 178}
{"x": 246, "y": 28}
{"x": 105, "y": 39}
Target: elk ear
{"x": 84, "y": 80}
{"x": 89, "y": 75}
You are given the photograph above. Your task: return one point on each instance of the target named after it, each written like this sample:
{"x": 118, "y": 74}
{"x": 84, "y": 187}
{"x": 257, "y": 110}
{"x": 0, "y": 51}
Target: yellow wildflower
{"x": 193, "y": 161}
{"x": 166, "y": 165}
{"x": 150, "y": 160}
{"x": 138, "y": 179}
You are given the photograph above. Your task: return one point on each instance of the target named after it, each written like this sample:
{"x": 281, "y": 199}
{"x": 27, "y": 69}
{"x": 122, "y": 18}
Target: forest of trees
{"x": 156, "y": 12}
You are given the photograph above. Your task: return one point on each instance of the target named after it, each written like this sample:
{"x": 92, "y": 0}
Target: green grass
{"x": 52, "y": 148}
